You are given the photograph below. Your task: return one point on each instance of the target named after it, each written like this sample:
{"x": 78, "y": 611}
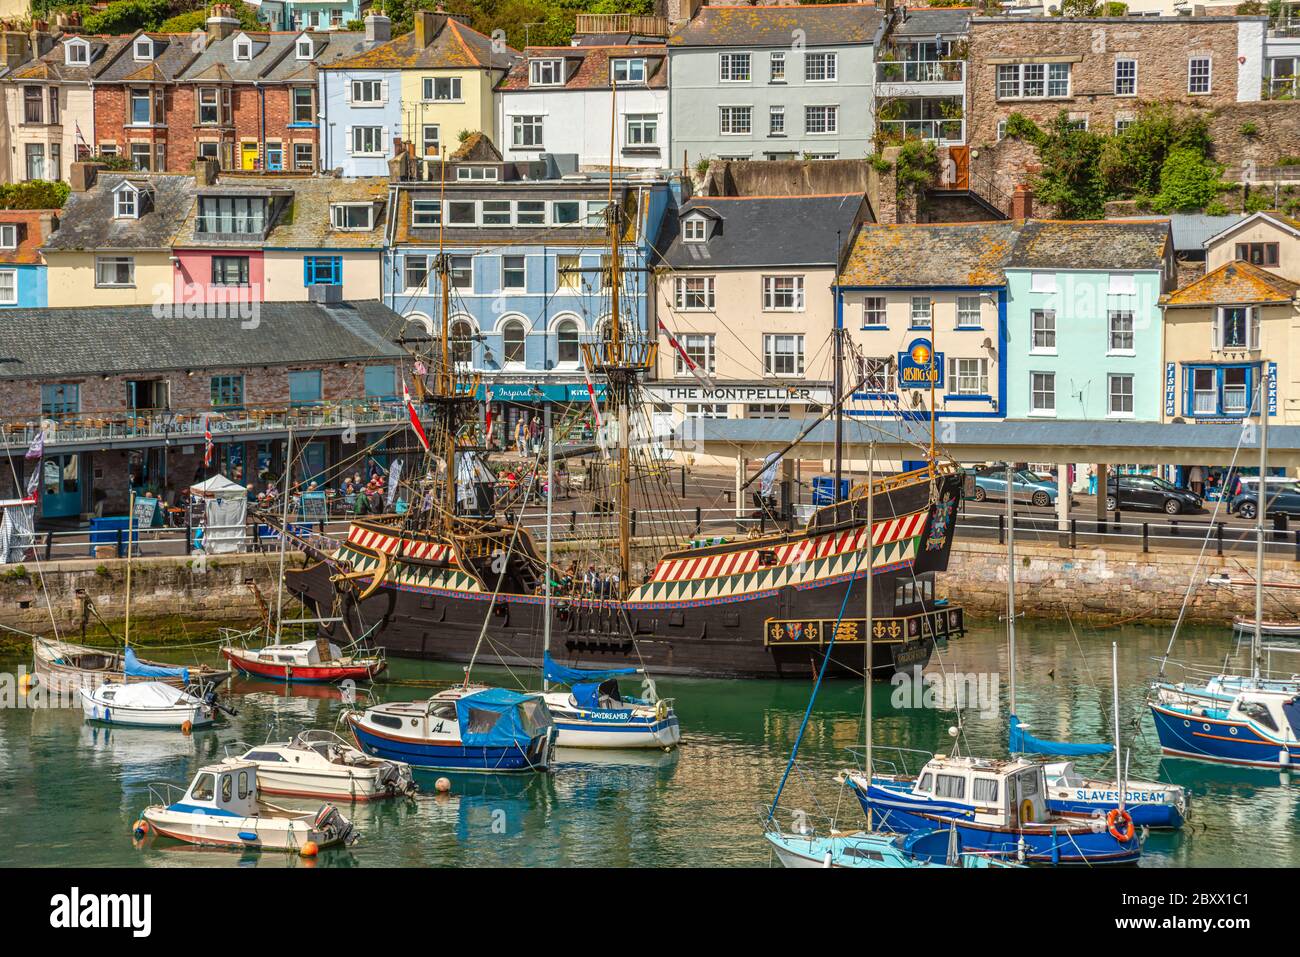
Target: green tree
{"x": 1187, "y": 182}
{"x": 1071, "y": 180}
{"x": 1131, "y": 161}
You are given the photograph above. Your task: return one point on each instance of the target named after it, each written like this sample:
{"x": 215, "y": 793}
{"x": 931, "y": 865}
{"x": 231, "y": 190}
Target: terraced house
{"x": 427, "y": 87}
{"x": 587, "y": 100}
{"x": 49, "y": 102}
{"x": 22, "y": 270}
{"x": 135, "y": 103}
{"x": 774, "y": 82}
{"x": 529, "y": 261}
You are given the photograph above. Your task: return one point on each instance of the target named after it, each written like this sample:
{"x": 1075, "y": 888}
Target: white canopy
{"x": 218, "y": 485}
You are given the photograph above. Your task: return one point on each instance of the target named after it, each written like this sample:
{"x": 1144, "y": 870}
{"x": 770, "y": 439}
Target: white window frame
{"x": 243, "y": 49}
{"x": 1048, "y": 389}
{"x": 776, "y": 112}
{"x": 831, "y": 116}
{"x": 101, "y": 261}
{"x": 126, "y": 204}
{"x": 1043, "y": 80}
{"x": 339, "y": 213}
{"x": 776, "y": 67}
{"x": 546, "y": 72}
{"x": 532, "y": 123}
{"x": 729, "y": 67}
{"x": 771, "y": 293}
{"x": 429, "y": 89}
{"x": 8, "y": 235}
{"x": 142, "y": 50}
{"x": 1209, "y": 75}
{"x": 304, "y": 43}
{"x": 875, "y": 306}
{"x": 695, "y": 229}
{"x": 829, "y": 67}
{"x": 964, "y": 308}
{"x": 968, "y": 375}
{"x": 629, "y": 66}
{"x": 701, "y": 347}
{"x": 523, "y": 268}
{"x": 772, "y": 356}
{"x": 693, "y": 293}
{"x": 1042, "y": 332}
{"x": 1111, "y": 348}
{"x": 366, "y": 86}
{"x": 359, "y": 136}
{"x": 1111, "y": 380}
{"x": 921, "y": 318}
{"x": 426, "y": 213}
{"x": 8, "y": 287}
{"x": 878, "y": 375}
{"x": 426, "y": 140}
{"x": 1130, "y": 81}
{"x": 83, "y": 57}
{"x": 733, "y": 113}
{"x": 641, "y": 123}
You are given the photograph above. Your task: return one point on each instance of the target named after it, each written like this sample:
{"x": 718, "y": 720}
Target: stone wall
{"x": 1101, "y": 585}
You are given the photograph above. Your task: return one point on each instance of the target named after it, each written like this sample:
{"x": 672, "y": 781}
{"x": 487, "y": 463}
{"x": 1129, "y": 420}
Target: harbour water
{"x": 70, "y": 791}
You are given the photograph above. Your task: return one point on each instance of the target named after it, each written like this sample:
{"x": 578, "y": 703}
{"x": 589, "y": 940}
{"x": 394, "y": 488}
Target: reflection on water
{"x": 70, "y": 790}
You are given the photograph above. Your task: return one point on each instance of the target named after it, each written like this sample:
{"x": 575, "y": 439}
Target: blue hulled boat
{"x": 873, "y": 850}
{"x": 460, "y": 729}
{"x": 1256, "y": 727}
{"x": 996, "y": 807}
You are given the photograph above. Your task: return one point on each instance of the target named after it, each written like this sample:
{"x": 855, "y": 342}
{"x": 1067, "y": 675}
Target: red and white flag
{"x": 415, "y": 418}
{"x": 591, "y": 395}
{"x": 687, "y": 361}
{"x": 487, "y": 414}
{"x": 207, "y": 442}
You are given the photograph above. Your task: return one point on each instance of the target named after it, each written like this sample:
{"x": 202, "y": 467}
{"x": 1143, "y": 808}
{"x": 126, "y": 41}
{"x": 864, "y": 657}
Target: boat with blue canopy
{"x": 595, "y": 713}
{"x": 460, "y": 729}
{"x": 924, "y": 849}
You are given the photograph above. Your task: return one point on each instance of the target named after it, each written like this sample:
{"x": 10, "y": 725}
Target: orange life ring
{"x": 1125, "y": 830}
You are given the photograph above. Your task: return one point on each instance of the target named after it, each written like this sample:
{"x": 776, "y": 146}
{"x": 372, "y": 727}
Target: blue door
{"x": 61, "y": 486}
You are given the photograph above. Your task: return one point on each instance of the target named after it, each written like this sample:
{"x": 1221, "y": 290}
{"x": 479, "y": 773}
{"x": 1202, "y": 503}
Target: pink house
{"x": 217, "y": 252}
{"x": 223, "y": 275}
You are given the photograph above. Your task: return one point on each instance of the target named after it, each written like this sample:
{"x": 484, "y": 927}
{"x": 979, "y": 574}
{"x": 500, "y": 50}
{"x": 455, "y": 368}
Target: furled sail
{"x": 133, "y": 667}
{"x": 1024, "y": 743}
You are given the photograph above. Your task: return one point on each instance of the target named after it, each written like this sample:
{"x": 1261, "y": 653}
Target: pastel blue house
{"x": 23, "y": 282}
{"x": 298, "y": 15}
{"x": 528, "y": 261}
{"x": 1084, "y": 321}
{"x": 361, "y": 115}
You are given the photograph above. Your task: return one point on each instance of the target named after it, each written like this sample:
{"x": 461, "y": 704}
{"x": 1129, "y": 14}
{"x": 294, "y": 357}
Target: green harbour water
{"x": 69, "y": 791}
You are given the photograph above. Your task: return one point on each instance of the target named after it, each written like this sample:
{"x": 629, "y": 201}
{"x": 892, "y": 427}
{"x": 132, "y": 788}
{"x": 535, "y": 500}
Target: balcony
{"x": 144, "y": 427}
{"x": 920, "y": 78}
{"x": 943, "y": 132}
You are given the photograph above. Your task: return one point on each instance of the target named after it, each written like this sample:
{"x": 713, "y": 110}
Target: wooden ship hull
{"x": 762, "y": 607}
{"x": 65, "y": 668}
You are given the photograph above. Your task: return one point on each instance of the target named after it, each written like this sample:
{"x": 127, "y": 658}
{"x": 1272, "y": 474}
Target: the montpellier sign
{"x": 741, "y": 393}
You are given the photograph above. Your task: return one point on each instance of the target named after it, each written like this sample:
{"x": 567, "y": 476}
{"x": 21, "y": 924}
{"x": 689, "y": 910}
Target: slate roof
{"x": 305, "y": 222}
{"x": 1106, "y": 244}
{"x": 177, "y": 53}
{"x": 922, "y": 256}
{"x": 587, "y": 68}
{"x": 762, "y": 231}
{"x": 88, "y": 219}
{"x": 52, "y": 66}
{"x": 1192, "y": 230}
{"x": 832, "y": 24}
{"x": 1232, "y": 283}
{"x": 925, "y": 23}
{"x": 42, "y": 343}
{"x": 279, "y": 196}
{"x": 28, "y": 252}
{"x": 275, "y": 58}
{"x": 455, "y": 47}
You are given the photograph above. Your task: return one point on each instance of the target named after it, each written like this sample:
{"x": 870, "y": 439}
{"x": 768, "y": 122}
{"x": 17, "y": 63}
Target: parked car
{"x": 1150, "y": 492}
{"x": 991, "y": 482}
{"x": 1280, "y": 500}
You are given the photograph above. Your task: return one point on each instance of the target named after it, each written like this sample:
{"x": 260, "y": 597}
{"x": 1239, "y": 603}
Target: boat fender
{"x": 186, "y": 727}
{"x": 1120, "y": 824}
{"x": 309, "y": 849}
{"x": 25, "y": 683}
{"x": 140, "y": 829}
{"x": 1026, "y": 812}
{"x": 661, "y": 710}
{"x": 442, "y": 785}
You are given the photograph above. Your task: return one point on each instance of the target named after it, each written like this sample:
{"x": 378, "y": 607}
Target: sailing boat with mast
{"x": 1235, "y": 719}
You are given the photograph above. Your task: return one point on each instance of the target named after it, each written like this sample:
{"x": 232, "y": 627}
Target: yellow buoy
{"x": 309, "y": 849}
{"x": 25, "y": 682}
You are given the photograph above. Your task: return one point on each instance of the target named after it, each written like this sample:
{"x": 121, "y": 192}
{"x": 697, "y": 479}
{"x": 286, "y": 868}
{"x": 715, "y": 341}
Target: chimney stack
{"x": 379, "y": 29}
{"x": 427, "y": 26}
{"x": 206, "y": 172}
{"x": 82, "y": 175}
{"x": 1022, "y": 203}
{"x": 221, "y": 22}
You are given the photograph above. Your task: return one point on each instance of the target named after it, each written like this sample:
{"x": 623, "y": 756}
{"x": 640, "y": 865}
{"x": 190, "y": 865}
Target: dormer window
{"x": 694, "y": 229}
{"x": 629, "y": 71}
{"x": 476, "y": 173}
{"x": 243, "y": 48}
{"x": 126, "y": 202}
{"x": 8, "y": 235}
{"x": 76, "y": 53}
{"x": 545, "y": 72}
{"x": 143, "y": 49}
{"x": 304, "y": 49}
{"x": 352, "y": 216}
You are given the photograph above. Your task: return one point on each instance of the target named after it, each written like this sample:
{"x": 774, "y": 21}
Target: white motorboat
{"x": 321, "y": 764}
{"x": 221, "y": 808}
{"x": 146, "y": 704}
{"x": 595, "y": 713}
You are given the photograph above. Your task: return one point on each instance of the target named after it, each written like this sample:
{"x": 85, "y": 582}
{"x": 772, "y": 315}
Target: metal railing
{"x": 921, "y": 71}
{"x": 940, "y": 131}
{"x": 69, "y": 428}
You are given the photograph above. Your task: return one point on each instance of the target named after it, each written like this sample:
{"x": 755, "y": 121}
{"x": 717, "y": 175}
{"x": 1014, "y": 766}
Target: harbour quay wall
{"x": 1111, "y": 584}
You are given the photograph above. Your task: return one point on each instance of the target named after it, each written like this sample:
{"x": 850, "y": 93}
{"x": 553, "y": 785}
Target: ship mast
{"x": 446, "y": 380}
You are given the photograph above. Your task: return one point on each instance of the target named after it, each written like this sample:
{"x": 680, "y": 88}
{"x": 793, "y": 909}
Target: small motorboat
{"x": 148, "y": 704}
{"x": 595, "y": 714}
{"x": 1256, "y": 726}
{"x": 304, "y": 661}
{"x": 65, "y": 668}
{"x": 1151, "y": 803}
{"x": 221, "y": 808}
{"x": 1276, "y": 629}
{"x": 321, "y": 764}
{"x": 460, "y": 729}
{"x": 867, "y": 849}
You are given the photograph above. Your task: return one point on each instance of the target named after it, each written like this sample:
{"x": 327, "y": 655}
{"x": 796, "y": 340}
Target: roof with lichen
{"x": 53, "y": 65}
{"x": 1102, "y": 244}
{"x": 1231, "y": 284}
{"x": 588, "y": 68}
{"x": 172, "y": 55}
{"x": 928, "y": 255}
{"x": 456, "y": 47}
{"x": 306, "y": 222}
{"x": 828, "y": 24}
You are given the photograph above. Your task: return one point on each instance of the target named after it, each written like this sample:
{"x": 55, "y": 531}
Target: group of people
{"x": 592, "y": 583}
{"x": 528, "y": 435}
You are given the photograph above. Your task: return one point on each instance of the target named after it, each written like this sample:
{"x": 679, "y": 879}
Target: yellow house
{"x": 113, "y": 246}
{"x": 1269, "y": 240}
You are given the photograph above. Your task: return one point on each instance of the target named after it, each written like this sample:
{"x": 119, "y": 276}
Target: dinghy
{"x": 1276, "y": 629}
{"x": 594, "y": 713}
{"x": 933, "y": 849}
{"x": 64, "y": 668}
{"x": 147, "y": 704}
{"x": 460, "y": 729}
{"x": 321, "y": 764}
{"x": 221, "y": 808}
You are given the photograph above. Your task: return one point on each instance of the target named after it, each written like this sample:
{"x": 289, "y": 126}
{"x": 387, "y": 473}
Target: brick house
{"x": 22, "y": 270}
{"x": 1101, "y": 70}
{"x": 128, "y": 410}
{"x": 135, "y": 103}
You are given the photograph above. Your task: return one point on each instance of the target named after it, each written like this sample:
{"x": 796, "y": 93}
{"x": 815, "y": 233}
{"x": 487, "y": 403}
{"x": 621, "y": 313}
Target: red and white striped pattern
{"x": 810, "y": 549}
{"x": 389, "y": 544}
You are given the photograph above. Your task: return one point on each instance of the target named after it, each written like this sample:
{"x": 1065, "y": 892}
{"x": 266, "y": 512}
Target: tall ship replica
{"x": 451, "y": 575}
